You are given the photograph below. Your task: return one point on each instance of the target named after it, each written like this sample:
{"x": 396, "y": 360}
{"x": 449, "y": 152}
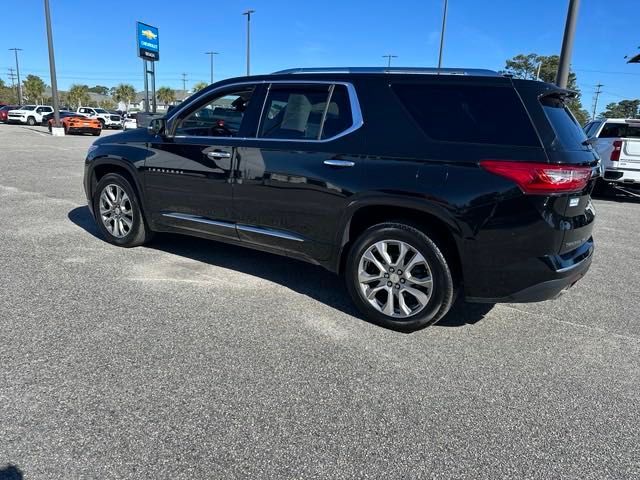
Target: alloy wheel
{"x": 395, "y": 278}
{"x": 116, "y": 211}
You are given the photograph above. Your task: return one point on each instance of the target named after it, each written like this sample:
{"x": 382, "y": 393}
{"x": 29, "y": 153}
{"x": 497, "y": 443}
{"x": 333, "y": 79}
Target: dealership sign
{"x": 148, "y": 42}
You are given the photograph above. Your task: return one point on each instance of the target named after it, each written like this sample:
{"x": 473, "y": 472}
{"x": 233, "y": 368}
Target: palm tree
{"x": 199, "y": 86}
{"x": 124, "y": 93}
{"x": 78, "y": 95}
{"x": 166, "y": 95}
{"x": 33, "y": 88}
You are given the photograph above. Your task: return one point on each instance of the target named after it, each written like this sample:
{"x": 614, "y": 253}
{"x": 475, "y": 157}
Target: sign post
{"x": 148, "y": 45}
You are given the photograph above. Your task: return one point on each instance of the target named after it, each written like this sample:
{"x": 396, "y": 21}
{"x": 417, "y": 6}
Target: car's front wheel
{"x": 118, "y": 214}
{"x": 398, "y": 277}
{"x": 31, "y": 121}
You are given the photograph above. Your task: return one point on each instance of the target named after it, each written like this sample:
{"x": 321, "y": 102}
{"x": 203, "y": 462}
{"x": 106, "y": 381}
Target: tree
{"x": 124, "y": 93}
{"x": 108, "y": 104}
{"x": 78, "y": 95}
{"x": 33, "y": 88}
{"x": 6, "y": 93}
{"x": 526, "y": 67}
{"x": 622, "y": 109}
{"x": 99, "y": 89}
{"x": 199, "y": 86}
{"x": 166, "y": 95}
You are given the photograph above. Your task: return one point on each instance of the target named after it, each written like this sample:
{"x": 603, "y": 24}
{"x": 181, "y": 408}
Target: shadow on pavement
{"x": 306, "y": 279}
{"x": 11, "y": 472}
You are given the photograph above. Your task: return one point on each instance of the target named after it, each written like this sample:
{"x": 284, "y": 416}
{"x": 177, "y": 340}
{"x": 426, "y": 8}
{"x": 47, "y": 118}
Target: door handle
{"x": 218, "y": 155}
{"x": 339, "y": 163}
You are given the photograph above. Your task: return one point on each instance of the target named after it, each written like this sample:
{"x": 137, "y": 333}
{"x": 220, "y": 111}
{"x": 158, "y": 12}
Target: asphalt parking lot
{"x": 194, "y": 359}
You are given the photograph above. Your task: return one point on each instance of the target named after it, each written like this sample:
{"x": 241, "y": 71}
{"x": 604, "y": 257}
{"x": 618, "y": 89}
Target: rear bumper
{"x": 553, "y": 275}
{"x": 622, "y": 176}
{"x": 83, "y": 130}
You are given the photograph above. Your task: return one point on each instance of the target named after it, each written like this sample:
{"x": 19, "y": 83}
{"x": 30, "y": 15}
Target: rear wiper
{"x": 590, "y": 141}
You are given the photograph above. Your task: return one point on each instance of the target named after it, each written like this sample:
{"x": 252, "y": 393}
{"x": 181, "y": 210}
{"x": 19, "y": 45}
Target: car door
{"x": 296, "y": 177}
{"x": 188, "y": 177}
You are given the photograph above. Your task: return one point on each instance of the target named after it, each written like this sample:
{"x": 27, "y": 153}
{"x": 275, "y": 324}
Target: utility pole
{"x": 12, "y": 77}
{"x": 444, "y": 24}
{"x": 16, "y": 50}
{"x": 52, "y": 67}
{"x": 184, "y": 82}
{"x": 248, "y": 14}
{"x": 595, "y": 100}
{"x": 538, "y": 72}
{"x": 211, "y": 55}
{"x": 388, "y": 56}
{"x": 567, "y": 44}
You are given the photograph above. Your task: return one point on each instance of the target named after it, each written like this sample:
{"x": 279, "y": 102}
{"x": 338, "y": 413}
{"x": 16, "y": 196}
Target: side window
{"x": 305, "y": 112}
{"x": 468, "y": 113}
{"x": 592, "y": 128}
{"x": 220, "y": 117}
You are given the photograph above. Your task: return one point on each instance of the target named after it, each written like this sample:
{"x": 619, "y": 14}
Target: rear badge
{"x": 573, "y": 202}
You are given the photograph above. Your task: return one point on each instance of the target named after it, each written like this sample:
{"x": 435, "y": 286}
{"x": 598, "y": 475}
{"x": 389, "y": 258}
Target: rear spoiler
{"x": 561, "y": 93}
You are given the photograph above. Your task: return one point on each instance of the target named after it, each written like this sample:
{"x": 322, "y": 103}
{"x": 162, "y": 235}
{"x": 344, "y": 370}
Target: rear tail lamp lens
{"x": 617, "y": 148}
{"x": 541, "y": 178}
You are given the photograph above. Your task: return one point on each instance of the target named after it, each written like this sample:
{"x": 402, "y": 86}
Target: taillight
{"x": 617, "y": 148}
{"x": 541, "y": 178}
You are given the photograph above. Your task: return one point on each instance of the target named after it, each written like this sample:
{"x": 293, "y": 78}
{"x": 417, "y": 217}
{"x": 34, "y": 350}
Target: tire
{"x": 31, "y": 121}
{"x": 422, "y": 308}
{"x": 138, "y": 233}
{"x": 102, "y": 125}
{"x": 96, "y": 133}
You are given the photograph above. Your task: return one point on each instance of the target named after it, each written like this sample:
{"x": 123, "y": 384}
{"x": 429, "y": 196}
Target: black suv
{"x": 417, "y": 185}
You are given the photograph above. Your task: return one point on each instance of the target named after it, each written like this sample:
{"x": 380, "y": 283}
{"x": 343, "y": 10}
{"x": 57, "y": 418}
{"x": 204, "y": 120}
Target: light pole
{"x": 388, "y": 56}
{"x": 16, "y": 50}
{"x": 248, "y": 14}
{"x": 211, "y": 55}
{"x": 567, "y": 44}
{"x": 52, "y": 67}
{"x": 444, "y": 24}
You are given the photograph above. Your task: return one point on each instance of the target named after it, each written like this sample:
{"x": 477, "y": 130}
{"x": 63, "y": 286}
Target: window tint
{"x": 620, "y": 130}
{"x": 220, "y": 117}
{"x": 468, "y": 113}
{"x": 293, "y": 112}
{"x": 568, "y": 130}
{"x": 339, "y": 116}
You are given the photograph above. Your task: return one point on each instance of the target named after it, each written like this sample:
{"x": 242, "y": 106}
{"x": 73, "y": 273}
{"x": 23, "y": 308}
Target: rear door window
{"x": 305, "y": 112}
{"x": 468, "y": 113}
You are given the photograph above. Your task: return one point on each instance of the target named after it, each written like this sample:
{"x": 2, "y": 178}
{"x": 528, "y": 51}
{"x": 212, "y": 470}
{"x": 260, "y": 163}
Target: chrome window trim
{"x": 356, "y": 112}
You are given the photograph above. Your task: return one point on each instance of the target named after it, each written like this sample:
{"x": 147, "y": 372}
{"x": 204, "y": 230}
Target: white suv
{"x": 29, "y": 114}
{"x": 107, "y": 119}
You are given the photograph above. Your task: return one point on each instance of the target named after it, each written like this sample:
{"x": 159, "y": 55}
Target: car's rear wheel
{"x": 118, "y": 214}
{"x": 398, "y": 277}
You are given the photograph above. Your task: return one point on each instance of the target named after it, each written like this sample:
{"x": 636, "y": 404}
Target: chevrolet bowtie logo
{"x": 149, "y": 34}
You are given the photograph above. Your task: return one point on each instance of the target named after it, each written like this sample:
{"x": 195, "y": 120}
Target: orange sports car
{"x": 79, "y": 124}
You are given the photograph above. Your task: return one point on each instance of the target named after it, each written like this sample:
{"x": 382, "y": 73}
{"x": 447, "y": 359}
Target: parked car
{"x": 29, "y": 114}
{"x": 129, "y": 121}
{"x": 106, "y": 118}
{"x": 4, "y": 111}
{"x": 63, "y": 113}
{"x": 415, "y": 187}
{"x": 617, "y": 141}
{"x": 77, "y": 123}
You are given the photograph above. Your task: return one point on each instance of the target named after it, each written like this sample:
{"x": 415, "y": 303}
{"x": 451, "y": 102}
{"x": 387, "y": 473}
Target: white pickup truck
{"x": 108, "y": 119}
{"x": 29, "y": 114}
{"x": 617, "y": 141}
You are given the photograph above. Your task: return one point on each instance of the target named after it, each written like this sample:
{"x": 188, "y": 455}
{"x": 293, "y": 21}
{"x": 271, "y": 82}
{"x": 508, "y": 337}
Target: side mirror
{"x": 156, "y": 126}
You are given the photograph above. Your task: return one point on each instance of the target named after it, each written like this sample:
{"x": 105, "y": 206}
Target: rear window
{"x": 620, "y": 130}
{"x": 468, "y": 113}
{"x": 568, "y": 131}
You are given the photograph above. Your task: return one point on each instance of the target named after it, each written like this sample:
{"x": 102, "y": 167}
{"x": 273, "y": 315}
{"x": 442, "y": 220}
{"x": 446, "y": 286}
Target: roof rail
{"x": 394, "y": 70}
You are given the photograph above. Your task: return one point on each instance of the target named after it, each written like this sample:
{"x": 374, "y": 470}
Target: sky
{"x": 95, "y": 41}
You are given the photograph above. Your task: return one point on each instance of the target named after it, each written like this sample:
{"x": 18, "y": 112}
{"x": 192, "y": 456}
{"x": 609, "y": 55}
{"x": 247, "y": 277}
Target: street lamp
{"x": 567, "y": 44}
{"x": 16, "y": 50}
{"x": 389, "y": 57}
{"x": 444, "y": 24}
{"x": 248, "y": 14}
{"x": 211, "y": 55}
{"x": 52, "y": 69}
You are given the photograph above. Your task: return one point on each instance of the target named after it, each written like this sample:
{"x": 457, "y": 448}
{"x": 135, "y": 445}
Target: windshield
{"x": 28, "y": 107}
